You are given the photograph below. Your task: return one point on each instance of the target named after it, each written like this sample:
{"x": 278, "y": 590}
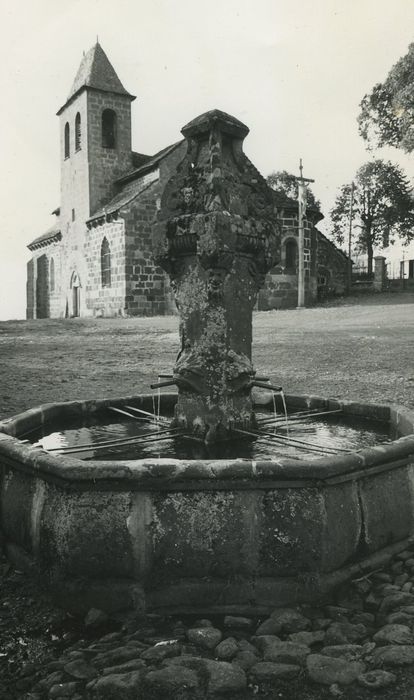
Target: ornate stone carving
{"x": 217, "y": 235}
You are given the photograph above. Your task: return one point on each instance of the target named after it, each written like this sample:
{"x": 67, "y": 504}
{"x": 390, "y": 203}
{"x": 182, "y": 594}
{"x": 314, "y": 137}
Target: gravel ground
{"x": 360, "y": 349}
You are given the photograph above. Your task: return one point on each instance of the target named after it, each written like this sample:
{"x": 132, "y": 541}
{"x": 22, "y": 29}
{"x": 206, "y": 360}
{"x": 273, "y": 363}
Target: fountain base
{"x": 206, "y": 535}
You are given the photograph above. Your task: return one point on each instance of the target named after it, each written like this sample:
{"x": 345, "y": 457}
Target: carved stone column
{"x": 217, "y": 236}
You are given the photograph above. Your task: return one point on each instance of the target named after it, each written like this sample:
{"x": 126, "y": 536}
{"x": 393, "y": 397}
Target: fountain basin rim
{"x": 176, "y": 474}
{"x": 172, "y": 535}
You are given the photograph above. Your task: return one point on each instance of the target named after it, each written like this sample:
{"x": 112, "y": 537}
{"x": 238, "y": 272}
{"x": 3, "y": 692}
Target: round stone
{"x": 204, "y": 637}
{"x": 161, "y": 651}
{"x": 118, "y": 685}
{"x": 273, "y": 649}
{"x": 63, "y": 690}
{"x": 245, "y": 659}
{"x": 399, "y": 618}
{"x": 238, "y": 623}
{"x": 171, "y": 679}
{"x": 81, "y": 670}
{"x": 394, "y": 634}
{"x": 224, "y": 678}
{"x": 268, "y": 671}
{"x": 268, "y": 627}
{"x": 394, "y": 655}
{"x": 328, "y": 670}
{"x": 396, "y": 600}
{"x": 376, "y": 679}
{"x": 307, "y": 638}
{"x": 226, "y": 649}
{"x": 344, "y": 633}
{"x": 290, "y": 620}
{"x": 350, "y": 652}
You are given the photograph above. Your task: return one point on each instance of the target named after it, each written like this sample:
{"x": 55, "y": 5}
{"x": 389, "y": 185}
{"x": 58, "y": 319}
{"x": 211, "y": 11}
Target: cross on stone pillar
{"x": 301, "y": 252}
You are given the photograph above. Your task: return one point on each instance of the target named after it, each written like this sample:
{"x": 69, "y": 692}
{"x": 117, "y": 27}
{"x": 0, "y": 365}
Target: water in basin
{"x": 307, "y": 438}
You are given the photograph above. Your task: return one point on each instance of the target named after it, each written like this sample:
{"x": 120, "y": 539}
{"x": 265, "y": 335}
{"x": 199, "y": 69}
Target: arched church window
{"x": 67, "y": 140}
{"x": 52, "y": 275}
{"x": 291, "y": 254}
{"x": 78, "y": 132}
{"x": 105, "y": 263}
{"x": 108, "y": 128}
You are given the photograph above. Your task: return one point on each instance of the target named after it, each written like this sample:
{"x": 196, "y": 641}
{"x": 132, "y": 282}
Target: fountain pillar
{"x": 217, "y": 235}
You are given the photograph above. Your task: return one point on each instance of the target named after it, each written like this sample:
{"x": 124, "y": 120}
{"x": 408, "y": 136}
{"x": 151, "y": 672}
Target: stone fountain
{"x": 216, "y": 535}
{"x": 217, "y": 236}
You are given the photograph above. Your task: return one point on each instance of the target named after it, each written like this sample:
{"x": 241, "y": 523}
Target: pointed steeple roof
{"x": 96, "y": 72}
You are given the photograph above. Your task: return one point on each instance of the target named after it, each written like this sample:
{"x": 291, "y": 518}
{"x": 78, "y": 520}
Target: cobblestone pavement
{"x": 358, "y": 644}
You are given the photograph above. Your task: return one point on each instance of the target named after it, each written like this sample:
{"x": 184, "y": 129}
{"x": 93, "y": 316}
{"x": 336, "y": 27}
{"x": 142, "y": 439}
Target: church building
{"x": 97, "y": 257}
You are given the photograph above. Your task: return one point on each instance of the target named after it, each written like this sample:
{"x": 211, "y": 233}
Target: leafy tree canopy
{"x": 383, "y": 208}
{"x": 387, "y": 113}
{"x": 286, "y": 185}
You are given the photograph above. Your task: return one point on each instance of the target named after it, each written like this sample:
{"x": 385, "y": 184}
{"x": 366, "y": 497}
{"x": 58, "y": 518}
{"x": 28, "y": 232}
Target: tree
{"x": 286, "y": 185}
{"x": 387, "y": 113}
{"x": 383, "y": 208}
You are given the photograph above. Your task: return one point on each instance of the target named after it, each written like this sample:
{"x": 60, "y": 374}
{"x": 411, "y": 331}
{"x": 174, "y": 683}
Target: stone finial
{"x": 215, "y": 118}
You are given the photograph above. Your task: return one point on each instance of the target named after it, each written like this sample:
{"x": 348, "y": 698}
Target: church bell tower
{"x": 95, "y": 136}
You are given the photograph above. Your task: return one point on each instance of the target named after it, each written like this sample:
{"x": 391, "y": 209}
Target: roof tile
{"x": 97, "y": 72}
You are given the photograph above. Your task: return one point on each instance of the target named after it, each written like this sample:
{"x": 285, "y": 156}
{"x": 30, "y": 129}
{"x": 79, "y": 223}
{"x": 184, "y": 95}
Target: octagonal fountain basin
{"x": 246, "y": 530}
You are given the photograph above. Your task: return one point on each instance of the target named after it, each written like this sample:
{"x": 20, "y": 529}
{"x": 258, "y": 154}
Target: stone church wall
{"x": 147, "y": 287}
{"x": 55, "y": 289}
{"x": 43, "y": 286}
{"x": 106, "y": 300}
{"x": 148, "y": 291}
{"x": 30, "y": 289}
{"x": 74, "y": 187}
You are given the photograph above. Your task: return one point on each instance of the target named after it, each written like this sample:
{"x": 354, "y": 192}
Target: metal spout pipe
{"x": 161, "y": 384}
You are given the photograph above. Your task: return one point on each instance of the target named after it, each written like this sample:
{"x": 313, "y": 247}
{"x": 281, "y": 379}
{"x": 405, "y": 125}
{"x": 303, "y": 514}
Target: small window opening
{"x": 105, "y": 263}
{"x": 67, "y": 140}
{"x": 108, "y": 128}
{"x": 78, "y": 132}
{"x": 73, "y": 215}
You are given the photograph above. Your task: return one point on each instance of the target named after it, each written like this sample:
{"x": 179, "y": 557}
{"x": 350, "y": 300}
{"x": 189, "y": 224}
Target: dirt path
{"x": 363, "y": 350}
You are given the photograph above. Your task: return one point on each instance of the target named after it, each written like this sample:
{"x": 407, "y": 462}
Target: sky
{"x": 294, "y": 74}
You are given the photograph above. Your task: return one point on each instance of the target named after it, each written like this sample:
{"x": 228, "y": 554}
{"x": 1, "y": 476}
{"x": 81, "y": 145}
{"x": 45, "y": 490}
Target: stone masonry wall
{"x": 148, "y": 290}
{"x": 42, "y": 287}
{"x": 281, "y": 286}
{"x": 30, "y": 290}
{"x": 43, "y": 301}
{"x": 332, "y": 268}
{"x": 147, "y": 285}
{"x": 106, "y": 164}
{"x": 74, "y": 206}
{"x": 100, "y": 300}
{"x": 55, "y": 294}
{"x": 87, "y": 180}
{"x": 74, "y": 191}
